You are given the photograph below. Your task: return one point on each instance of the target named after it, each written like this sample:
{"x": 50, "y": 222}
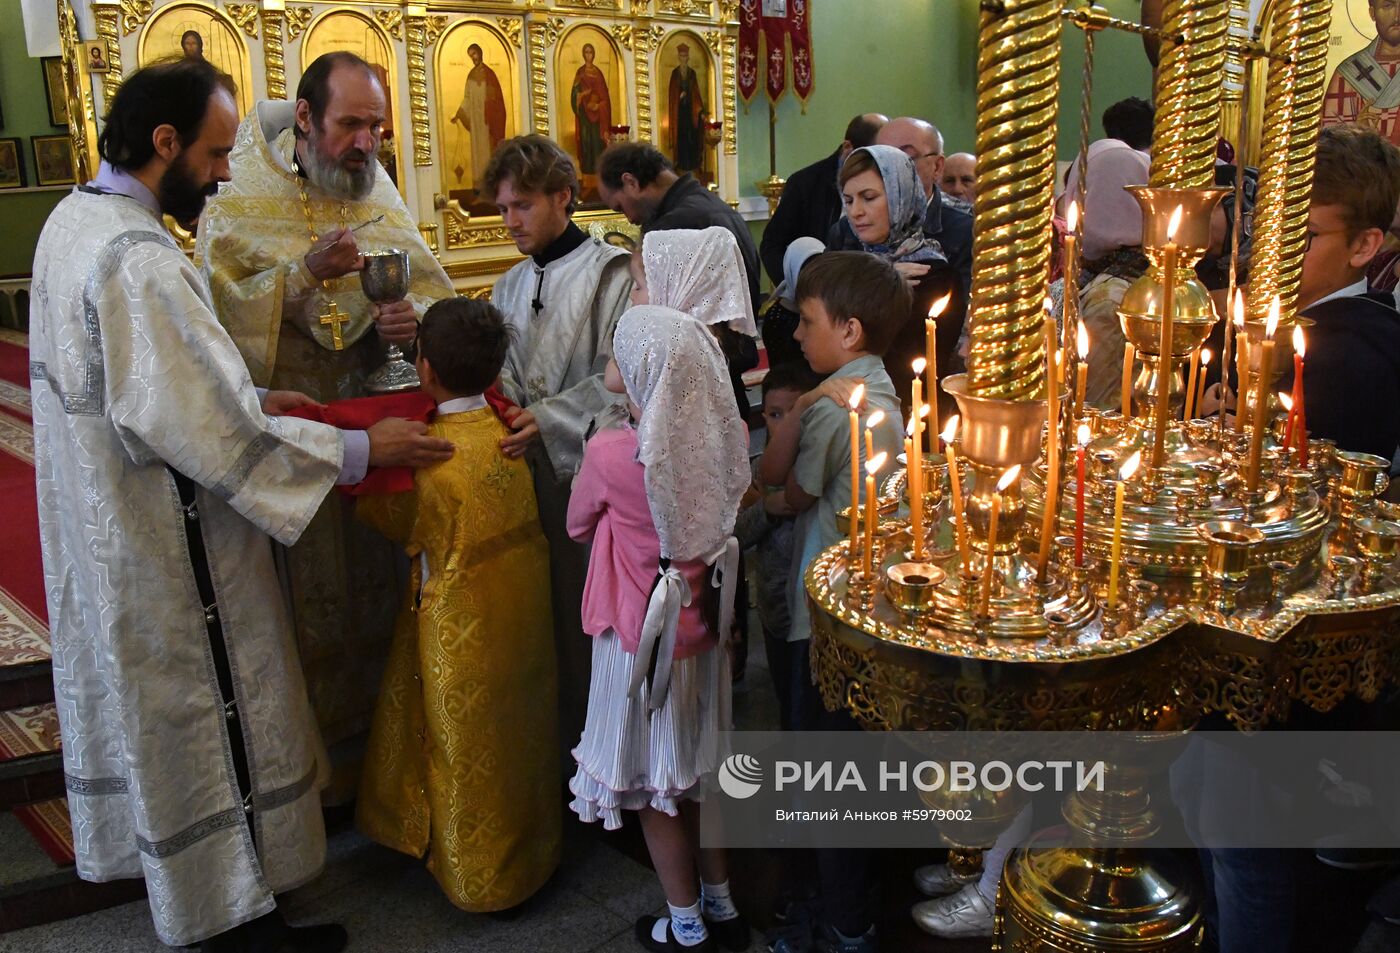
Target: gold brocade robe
{"x": 252, "y": 239}
{"x": 462, "y": 758}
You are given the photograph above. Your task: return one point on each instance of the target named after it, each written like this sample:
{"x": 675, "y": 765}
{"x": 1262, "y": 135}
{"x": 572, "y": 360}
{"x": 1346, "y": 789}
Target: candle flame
{"x": 923, "y": 411}
{"x": 1049, "y": 305}
{"x": 1286, "y": 400}
{"x": 1206, "y": 355}
{"x": 875, "y": 420}
{"x": 1082, "y": 342}
{"x": 919, "y": 365}
{"x": 875, "y": 463}
{"x": 940, "y": 305}
{"x": 857, "y": 396}
{"x": 1173, "y": 224}
{"x": 1083, "y": 435}
{"x": 1239, "y": 308}
{"x": 1271, "y": 325}
{"x": 909, "y": 428}
{"x": 1130, "y": 466}
{"x": 1072, "y": 217}
{"x": 1300, "y": 343}
{"x": 950, "y": 432}
{"x": 1008, "y": 478}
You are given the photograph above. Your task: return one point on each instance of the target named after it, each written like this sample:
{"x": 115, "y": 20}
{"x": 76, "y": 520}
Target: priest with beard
{"x": 282, "y": 256}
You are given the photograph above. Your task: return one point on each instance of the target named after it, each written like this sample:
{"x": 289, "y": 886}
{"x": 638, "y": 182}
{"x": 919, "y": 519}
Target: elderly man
{"x": 281, "y": 248}
{"x": 190, "y": 753}
{"x": 959, "y": 179}
{"x": 563, "y": 302}
{"x": 636, "y": 179}
{"x": 811, "y": 203}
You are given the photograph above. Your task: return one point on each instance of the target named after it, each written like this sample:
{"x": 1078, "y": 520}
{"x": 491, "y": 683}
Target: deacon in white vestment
{"x": 563, "y": 303}
{"x": 274, "y": 288}
{"x": 190, "y": 754}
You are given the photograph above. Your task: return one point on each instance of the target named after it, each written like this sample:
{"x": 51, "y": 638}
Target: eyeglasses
{"x": 1311, "y": 233}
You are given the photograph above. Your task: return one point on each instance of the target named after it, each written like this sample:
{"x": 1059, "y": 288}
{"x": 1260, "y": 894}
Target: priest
{"x": 281, "y": 247}
{"x": 563, "y": 302}
{"x": 189, "y": 750}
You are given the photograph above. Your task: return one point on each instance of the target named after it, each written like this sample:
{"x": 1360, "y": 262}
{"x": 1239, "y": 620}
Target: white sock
{"x": 716, "y": 902}
{"x": 995, "y": 859}
{"x": 687, "y": 926}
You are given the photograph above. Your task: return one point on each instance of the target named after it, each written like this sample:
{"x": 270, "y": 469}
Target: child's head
{"x": 1356, "y": 187}
{"x": 639, "y": 277}
{"x": 852, "y": 303}
{"x": 783, "y": 385}
{"x": 461, "y": 346}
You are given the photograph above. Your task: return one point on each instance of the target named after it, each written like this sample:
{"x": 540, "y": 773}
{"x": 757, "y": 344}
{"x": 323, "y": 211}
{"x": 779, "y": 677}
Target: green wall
{"x": 919, "y": 57}
{"x": 26, "y": 114}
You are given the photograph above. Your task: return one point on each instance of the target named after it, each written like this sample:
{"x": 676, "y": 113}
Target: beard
{"x": 328, "y": 173}
{"x": 180, "y": 195}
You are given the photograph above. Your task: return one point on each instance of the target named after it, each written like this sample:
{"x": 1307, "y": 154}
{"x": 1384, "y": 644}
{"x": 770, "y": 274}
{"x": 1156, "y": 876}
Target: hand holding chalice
{"x": 385, "y": 279}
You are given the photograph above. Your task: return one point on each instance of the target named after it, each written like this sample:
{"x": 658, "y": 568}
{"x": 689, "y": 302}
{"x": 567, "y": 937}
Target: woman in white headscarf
{"x": 658, "y": 501}
{"x": 700, "y": 272}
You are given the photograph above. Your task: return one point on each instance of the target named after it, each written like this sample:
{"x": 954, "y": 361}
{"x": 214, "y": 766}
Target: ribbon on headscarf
{"x": 657, "y": 645}
{"x": 726, "y": 579}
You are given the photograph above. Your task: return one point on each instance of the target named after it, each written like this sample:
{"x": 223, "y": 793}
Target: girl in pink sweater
{"x": 658, "y": 500}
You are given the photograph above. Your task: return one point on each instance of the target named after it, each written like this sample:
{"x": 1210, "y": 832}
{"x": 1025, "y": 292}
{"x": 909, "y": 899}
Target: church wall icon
{"x": 1363, "y": 66}
{"x": 688, "y": 131}
{"x": 193, "y": 30}
{"x": 590, "y": 100}
{"x": 478, "y": 106}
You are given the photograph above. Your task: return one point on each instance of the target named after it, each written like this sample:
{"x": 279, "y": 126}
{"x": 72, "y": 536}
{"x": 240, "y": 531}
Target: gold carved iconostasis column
{"x": 461, "y": 77}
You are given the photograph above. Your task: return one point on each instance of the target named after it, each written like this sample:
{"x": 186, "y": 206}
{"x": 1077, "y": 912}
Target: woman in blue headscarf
{"x": 883, "y": 213}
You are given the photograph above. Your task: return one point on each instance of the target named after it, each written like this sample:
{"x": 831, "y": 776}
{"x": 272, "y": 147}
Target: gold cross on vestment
{"x": 334, "y": 318}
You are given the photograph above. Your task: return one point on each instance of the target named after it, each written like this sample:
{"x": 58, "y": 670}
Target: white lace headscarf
{"x": 690, "y": 438}
{"x": 701, "y": 273}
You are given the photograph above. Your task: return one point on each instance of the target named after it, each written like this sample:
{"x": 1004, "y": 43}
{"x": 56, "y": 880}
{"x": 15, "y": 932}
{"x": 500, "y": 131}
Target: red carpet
{"x": 23, "y": 614}
{"x": 50, "y": 826}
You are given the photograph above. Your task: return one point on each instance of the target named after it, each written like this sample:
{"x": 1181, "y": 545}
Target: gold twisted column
{"x": 274, "y": 19}
{"x": 1293, "y": 103}
{"x": 1018, "y": 51}
{"x": 106, "y": 14}
{"x": 416, "y": 27}
{"x": 1188, "y": 94}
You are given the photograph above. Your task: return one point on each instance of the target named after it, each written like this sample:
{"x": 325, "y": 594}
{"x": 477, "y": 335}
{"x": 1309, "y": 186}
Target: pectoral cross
{"x": 334, "y": 318}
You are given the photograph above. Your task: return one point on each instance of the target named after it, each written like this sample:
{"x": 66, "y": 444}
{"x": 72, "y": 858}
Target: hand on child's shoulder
{"x": 838, "y": 390}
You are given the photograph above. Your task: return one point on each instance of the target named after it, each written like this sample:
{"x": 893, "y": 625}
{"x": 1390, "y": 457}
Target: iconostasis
{"x": 461, "y": 77}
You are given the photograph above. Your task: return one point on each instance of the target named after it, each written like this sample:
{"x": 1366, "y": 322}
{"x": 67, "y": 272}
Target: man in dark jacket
{"x": 811, "y": 203}
{"x": 1352, "y": 373}
{"x": 636, "y": 179}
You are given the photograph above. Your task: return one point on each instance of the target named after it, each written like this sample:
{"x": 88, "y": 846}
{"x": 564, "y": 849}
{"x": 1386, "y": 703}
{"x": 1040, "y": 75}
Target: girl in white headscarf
{"x": 700, "y": 272}
{"x": 658, "y": 501}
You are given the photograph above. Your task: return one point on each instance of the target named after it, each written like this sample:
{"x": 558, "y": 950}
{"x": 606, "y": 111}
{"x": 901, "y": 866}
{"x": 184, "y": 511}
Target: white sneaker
{"x": 937, "y": 880}
{"x": 963, "y": 914}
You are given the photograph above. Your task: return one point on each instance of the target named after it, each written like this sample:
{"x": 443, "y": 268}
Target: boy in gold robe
{"x": 463, "y": 751}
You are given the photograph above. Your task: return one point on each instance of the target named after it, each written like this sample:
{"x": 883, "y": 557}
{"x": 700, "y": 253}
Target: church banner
{"x": 766, "y": 27}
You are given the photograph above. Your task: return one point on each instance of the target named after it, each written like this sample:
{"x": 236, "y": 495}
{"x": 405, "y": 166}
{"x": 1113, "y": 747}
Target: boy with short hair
{"x": 851, "y": 304}
{"x": 470, "y": 679}
{"x": 1353, "y": 354}
{"x": 767, "y": 525}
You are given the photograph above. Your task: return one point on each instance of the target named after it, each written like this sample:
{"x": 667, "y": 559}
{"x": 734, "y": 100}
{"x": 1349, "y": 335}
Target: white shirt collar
{"x": 1350, "y": 291}
{"x": 460, "y": 405}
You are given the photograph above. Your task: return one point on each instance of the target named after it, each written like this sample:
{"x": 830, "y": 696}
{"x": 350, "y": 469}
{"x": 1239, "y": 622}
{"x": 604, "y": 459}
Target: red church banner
{"x": 766, "y": 27}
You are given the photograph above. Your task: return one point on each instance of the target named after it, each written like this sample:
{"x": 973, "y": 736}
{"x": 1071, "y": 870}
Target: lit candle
{"x": 1261, "y": 398}
{"x": 1125, "y": 399}
{"x": 1124, "y": 474}
{"x": 1296, "y": 418}
{"x": 1071, "y": 267}
{"x": 916, "y": 422}
{"x": 1164, "y": 359}
{"x": 1006, "y": 480}
{"x": 871, "y": 422}
{"x": 857, "y": 396}
{"x": 1199, "y": 397}
{"x": 949, "y": 434}
{"x": 872, "y": 509}
{"x": 1229, "y": 335}
{"x": 1079, "y": 495}
{"x": 916, "y": 509}
{"x": 1081, "y": 379}
{"x": 1052, "y": 446}
{"x": 1241, "y": 362}
{"x": 1189, "y": 407}
{"x": 931, "y": 355}
{"x": 1286, "y": 402}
